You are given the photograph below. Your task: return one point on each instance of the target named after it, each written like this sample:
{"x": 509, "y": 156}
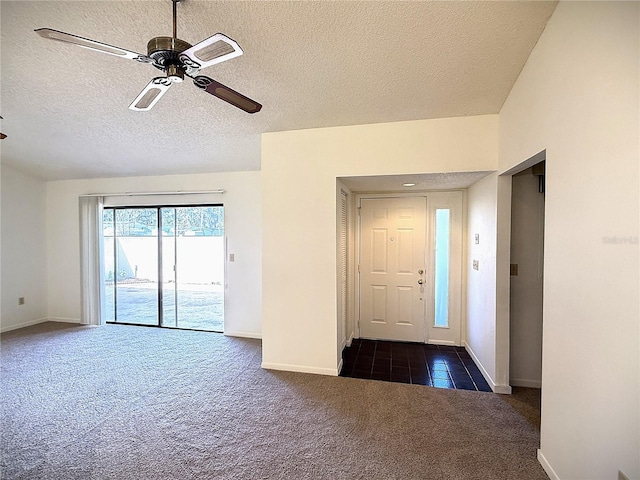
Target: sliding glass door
{"x": 169, "y": 297}
{"x": 173, "y": 279}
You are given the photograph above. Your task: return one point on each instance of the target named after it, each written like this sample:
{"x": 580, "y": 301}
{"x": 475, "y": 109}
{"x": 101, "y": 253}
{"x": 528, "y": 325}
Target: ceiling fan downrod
{"x": 175, "y": 18}
{"x": 165, "y": 50}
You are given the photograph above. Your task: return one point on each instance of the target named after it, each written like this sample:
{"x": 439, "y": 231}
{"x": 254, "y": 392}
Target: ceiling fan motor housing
{"x": 164, "y": 52}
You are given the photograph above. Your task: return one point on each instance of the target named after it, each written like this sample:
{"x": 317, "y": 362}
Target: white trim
{"x": 350, "y": 341}
{"x": 465, "y": 271}
{"x": 523, "y": 382}
{"x": 547, "y": 466}
{"x": 65, "y": 320}
{"x": 504, "y": 389}
{"x": 23, "y": 324}
{"x": 299, "y": 368}
{"x": 137, "y": 194}
{"x": 530, "y": 162}
{"x": 342, "y": 266}
{"x": 414, "y": 193}
{"x": 442, "y": 342}
{"x": 225, "y": 277}
{"x": 257, "y": 336}
{"x": 340, "y": 365}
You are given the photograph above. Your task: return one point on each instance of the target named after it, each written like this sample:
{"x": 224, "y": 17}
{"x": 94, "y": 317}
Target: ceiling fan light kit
{"x": 177, "y": 59}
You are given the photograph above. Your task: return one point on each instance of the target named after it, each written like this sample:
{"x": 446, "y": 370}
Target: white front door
{"x": 392, "y": 265}
{"x": 411, "y": 268}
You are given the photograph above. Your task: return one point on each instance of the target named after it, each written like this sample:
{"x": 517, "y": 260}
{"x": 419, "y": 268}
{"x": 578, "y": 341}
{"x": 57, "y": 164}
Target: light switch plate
{"x": 477, "y": 238}
{"x": 475, "y": 264}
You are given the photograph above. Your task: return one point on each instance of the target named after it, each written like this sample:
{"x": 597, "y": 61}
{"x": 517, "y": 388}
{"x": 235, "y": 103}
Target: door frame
{"x": 357, "y": 224}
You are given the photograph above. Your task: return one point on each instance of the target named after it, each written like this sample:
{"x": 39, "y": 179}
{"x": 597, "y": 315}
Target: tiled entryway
{"x": 431, "y": 365}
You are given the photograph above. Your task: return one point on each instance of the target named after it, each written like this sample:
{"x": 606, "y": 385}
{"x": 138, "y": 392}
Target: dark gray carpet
{"x": 123, "y": 402}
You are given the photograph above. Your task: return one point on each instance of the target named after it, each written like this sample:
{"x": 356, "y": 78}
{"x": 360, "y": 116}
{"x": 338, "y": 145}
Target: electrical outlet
{"x": 622, "y": 476}
{"x": 475, "y": 264}
{"x": 232, "y": 257}
{"x": 514, "y": 269}
{"x": 20, "y": 300}
{"x": 477, "y": 238}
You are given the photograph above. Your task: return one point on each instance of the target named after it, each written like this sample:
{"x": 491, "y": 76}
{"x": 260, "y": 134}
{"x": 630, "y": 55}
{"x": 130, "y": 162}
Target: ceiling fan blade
{"x": 150, "y": 95}
{"x": 227, "y": 94}
{"x": 91, "y": 44}
{"x": 215, "y": 49}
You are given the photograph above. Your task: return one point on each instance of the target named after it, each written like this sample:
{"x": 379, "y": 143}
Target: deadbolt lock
{"x": 420, "y": 271}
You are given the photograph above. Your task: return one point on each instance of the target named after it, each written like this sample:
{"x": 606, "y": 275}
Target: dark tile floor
{"x": 432, "y": 365}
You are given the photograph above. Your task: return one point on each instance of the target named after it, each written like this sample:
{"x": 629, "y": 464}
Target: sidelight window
{"x": 441, "y": 298}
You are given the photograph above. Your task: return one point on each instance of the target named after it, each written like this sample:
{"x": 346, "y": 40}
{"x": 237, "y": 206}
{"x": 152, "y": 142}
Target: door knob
{"x": 420, "y": 282}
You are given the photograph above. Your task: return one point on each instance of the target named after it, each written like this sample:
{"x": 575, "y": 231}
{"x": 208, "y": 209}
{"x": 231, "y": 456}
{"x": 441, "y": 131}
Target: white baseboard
{"x": 503, "y": 389}
{"x": 447, "y": 343}
{"x": 547, "y": 467}
{"x": 257, "y": 336}
{"x": 300, "y": 368}
{"x": 8, "y": 328}
{"x": 522, "y": 382}
{"x": 350, "y": 341}
{"x": 65, "y": 320}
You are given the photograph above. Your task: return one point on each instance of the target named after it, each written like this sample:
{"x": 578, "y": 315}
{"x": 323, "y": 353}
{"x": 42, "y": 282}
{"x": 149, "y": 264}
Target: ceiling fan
{"x": 177, "y": 59}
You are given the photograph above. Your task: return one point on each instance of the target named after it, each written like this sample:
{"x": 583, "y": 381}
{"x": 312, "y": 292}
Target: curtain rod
{"x": 137, "y": 194}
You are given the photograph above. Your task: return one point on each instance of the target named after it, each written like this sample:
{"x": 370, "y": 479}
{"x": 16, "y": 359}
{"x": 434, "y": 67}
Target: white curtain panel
{"x": 91, "y": 261}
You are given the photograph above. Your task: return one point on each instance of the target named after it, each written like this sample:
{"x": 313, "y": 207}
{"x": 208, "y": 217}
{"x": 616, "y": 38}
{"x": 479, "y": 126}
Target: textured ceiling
{"x": 427, "y": 181}
{"x": 310, "y": 63}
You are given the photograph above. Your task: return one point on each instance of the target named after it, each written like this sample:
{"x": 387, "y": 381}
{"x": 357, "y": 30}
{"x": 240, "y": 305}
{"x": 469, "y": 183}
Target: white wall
{"x": 23, "y": 254}
{"x": 242, "y": 230}
{"x": 481, "y": 283}
{"x": 577, "y": 97}
{"x": 299, "y": 171}
{"x": 527, "y": 249}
